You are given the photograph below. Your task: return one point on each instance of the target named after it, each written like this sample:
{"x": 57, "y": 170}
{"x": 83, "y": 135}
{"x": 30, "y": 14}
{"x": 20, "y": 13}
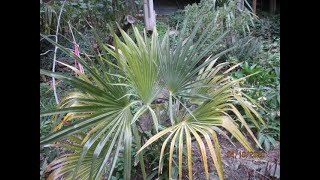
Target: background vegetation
{"x": 255, "y": 41}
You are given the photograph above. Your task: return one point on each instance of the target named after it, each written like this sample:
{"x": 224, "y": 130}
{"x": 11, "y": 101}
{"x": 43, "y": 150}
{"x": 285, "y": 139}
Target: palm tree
{"x": 96, "y": 124}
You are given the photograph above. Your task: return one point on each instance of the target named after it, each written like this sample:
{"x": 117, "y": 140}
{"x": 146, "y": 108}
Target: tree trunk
{"x": 149, "y": 15}
{"x": 254, "y": 6}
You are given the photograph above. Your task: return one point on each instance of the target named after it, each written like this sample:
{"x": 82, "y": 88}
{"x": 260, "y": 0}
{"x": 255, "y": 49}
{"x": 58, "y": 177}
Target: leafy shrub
{"x": 266, "y": 84}
{"x": 98, "y": 13}
{"x": 247, "y": 48}
{"x": 264, "y": 87}
{"x": 267, "y": 135}
{"x": 161, "y": 26}
{"x": 226, "y": 19}
{"x": 268, "y": 26}
{"x": 176, "y": 18}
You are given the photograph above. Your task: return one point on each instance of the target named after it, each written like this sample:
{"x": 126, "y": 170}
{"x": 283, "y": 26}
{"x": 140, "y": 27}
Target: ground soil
{"x": 237, "y": 167}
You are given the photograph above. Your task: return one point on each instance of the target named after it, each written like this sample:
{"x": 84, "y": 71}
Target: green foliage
{"x": 176, "y": 18}
{"x": 265, "y": 77}
{"x": 268, "y": 27}
{"x": 97, "y": 13}
{"x": 246, "y": 49}
{"x": 97, "y": 126}
{"x": 267, "y": 136}
{"x": 267, "y": 61}
{"x": 226, "y": 18}
{"x": 48, "y": 17}
{"x": 264, "y": 87}
{"x": 139, "y": 25}
{"x": 267, "y": 82}
{"x": 152, "y": 157}
{"x": 119, "y": 167}
{"x": 47, "y": 102}
{"x": 162, "y": 28}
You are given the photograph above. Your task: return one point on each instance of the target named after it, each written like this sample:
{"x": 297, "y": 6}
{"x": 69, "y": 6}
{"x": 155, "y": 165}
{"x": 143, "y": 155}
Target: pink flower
{"x": 76, "y": 52}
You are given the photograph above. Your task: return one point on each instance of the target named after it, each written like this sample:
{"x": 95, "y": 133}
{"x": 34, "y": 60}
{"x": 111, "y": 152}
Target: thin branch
{"x": 46, "y": 52}
{"x": 55, "y": 55}
{"x": 48, "y": 36}
{"x": 74, "y": 40}
{"x": 70, "y": 50}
